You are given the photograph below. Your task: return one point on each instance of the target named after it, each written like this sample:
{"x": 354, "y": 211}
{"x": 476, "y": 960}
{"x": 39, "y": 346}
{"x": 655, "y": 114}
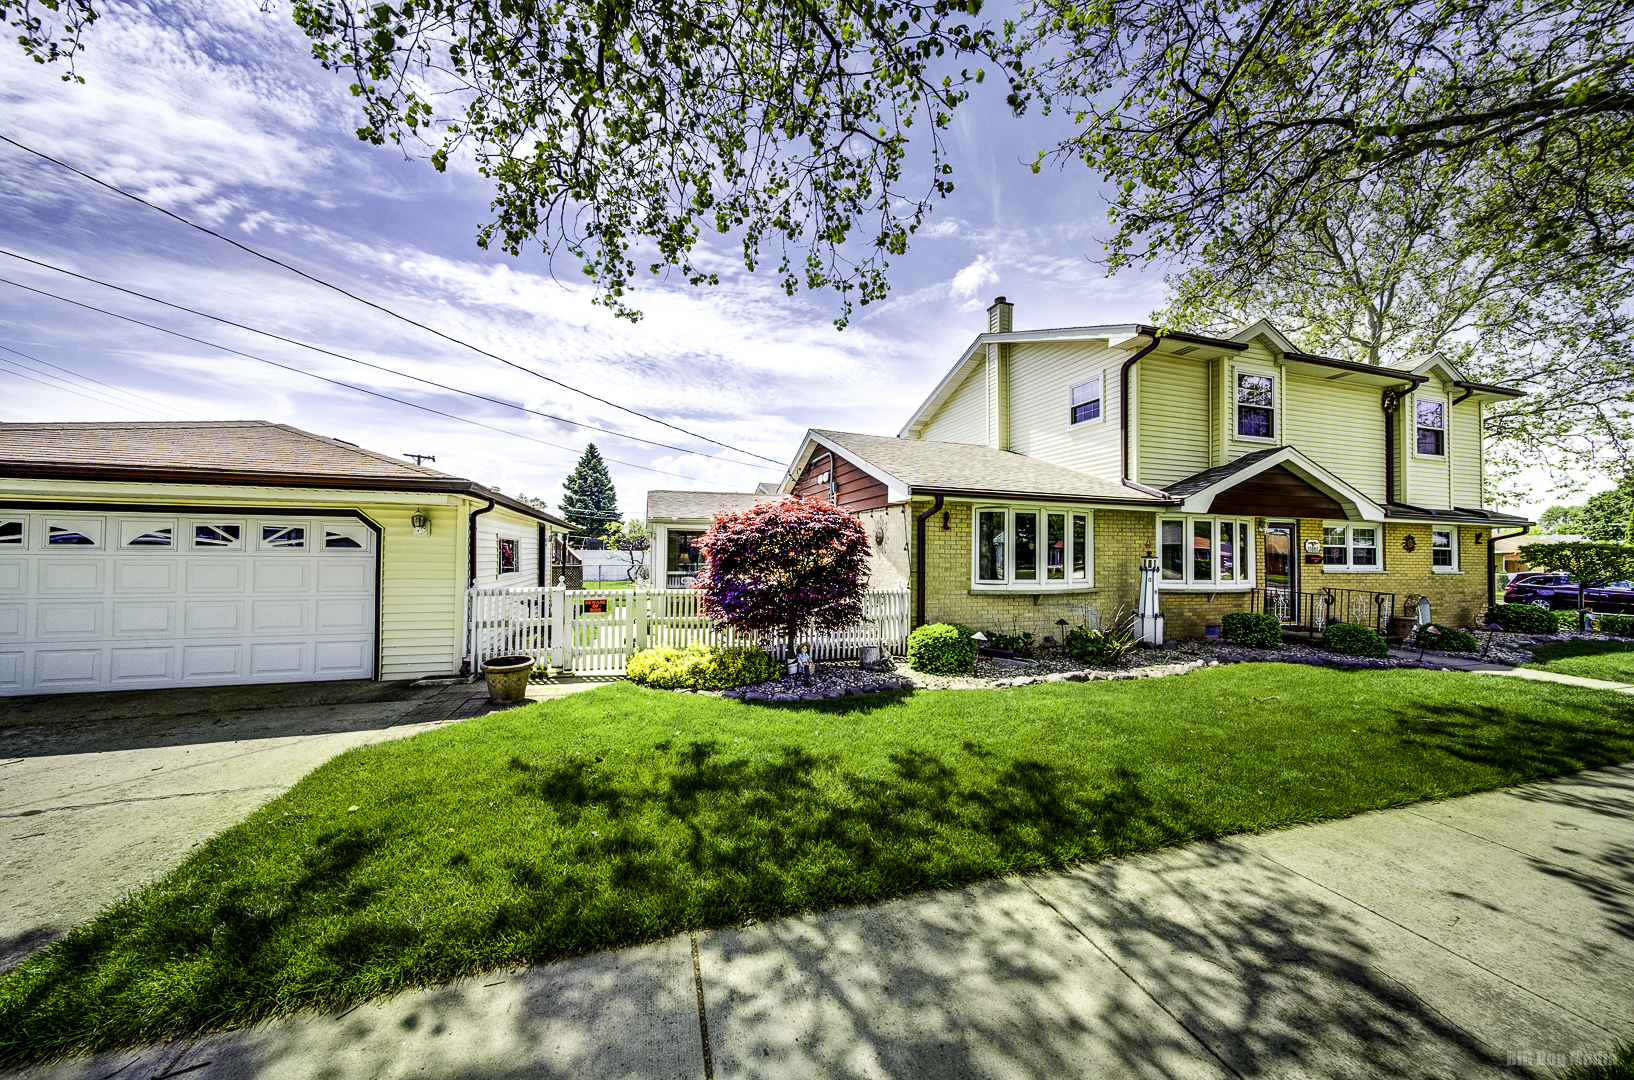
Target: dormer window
{"x": 1256, "y": 406}
{"x": 1432, "y": 429}
{"x": 1086, "y": 401}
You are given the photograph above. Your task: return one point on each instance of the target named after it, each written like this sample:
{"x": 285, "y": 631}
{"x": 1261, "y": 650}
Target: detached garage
{"x": 199, "y": 554}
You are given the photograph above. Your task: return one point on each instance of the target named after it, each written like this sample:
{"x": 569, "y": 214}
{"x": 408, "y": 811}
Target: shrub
{"x": 1619, "y": 625}
{"x": 1523, "y": 618}
{"x": 1445, "y": 638}
{"x": 1021, "y": 644}
{"x": 701, "y": 667}
{"x": 1353, "y": 639}
{"x": 941, "y": 649}
{"x": 967, "y": 631}
{"x": 1099, "y": 647}
{"x": 1254, "y": 630}
{"x": 1568, "y": 622}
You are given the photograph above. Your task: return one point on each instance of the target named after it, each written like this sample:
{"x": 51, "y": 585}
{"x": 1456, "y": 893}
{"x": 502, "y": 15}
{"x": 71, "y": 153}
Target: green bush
{"x": 1620, "y": 625}
{"x": 1021, "y": 644}
{"x": 966, "y": 631}
{"x": 942, "y": 649}
{"x": 1099, "y": 647}
{"x": 1445, "y": 638}
{"x": 1353, "y": 639}
{"x": 1254, "y": 630}
{"x": 1522, "y": 618}
{"x": 1568, "y": 622}
{"x": 701, "y": 667}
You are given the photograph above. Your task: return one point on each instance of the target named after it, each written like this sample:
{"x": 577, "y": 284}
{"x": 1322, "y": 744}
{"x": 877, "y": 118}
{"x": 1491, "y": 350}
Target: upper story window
{"x": 1350, "y": 547}
{"x": 1028, "y": 547}
{"x": 1443, "y": 549}
{"x": 1086, "y": 401}
{"x": 1432, "y": 428}
{"x": 1204, "y": 551}
{"x": 507, "y": 556}
{"x": 1256, "y": 406}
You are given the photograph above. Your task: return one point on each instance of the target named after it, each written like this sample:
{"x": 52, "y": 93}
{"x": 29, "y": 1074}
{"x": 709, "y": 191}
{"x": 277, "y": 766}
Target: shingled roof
{"x": 250, "y": 452}
{"x": 700, "y": 505}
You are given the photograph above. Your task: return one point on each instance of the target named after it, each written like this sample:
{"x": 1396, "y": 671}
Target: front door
{"x": 1281, "y": 570}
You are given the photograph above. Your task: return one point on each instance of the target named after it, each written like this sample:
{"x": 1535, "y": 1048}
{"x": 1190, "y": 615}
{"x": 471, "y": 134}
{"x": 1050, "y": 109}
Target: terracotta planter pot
{"x": 507, "y": 678}
{"x": 1401, "y": 626}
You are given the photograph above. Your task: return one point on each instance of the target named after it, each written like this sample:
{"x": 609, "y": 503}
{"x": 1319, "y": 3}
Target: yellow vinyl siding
{"x": 1339, "y": 426}
{"x": 1042, "y": 375}
{"x": 422, "y": 599}
{"x": 1428, "y": 478}
{"x": 1465, "y": 438}
{"x": 963, "y": 417}
{"x": 1173, "y": 429}
{"x": 1254, "y": 360}
{"x": 500, "y": 522}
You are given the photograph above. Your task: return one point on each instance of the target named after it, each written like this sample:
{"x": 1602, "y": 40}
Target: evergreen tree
{"x": 590, "y": 502}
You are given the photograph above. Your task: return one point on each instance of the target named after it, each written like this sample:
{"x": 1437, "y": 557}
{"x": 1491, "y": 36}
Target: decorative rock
{"x": 754, "y": 695}
{"x": 1059, "y": 676}
{"x": 1025, "y": 680}
{"x": 1002, "y": 684}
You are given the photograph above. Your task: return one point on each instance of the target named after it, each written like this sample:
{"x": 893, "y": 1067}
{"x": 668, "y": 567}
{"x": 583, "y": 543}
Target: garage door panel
{"x": 13, "y": 576}
{"x": 278, "y": 659}
{"x": 341, "y": 616}
{"x": 145, "y": 576}
{"x": 67, "y": 576}
{"x": 338, "y": 659}
{"x": 279, "y": 616}
{"x": 211, "y": 661}
{"x": 282, "y": 575}
{"x": 345, "y": 575}
{"x": 214, "y": 617}
{"x": 60, "y": 620}
{"x": 153, "y": 664}
{"x": 156, "y": 617}
{"x": 211, "y": 575}
{"x": 11, "y": 670}
{"x": 65, "y": 669}
{"x": 13, "y": 619}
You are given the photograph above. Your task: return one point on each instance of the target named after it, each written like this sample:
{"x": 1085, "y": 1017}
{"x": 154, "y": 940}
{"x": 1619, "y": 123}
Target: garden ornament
{"x": 1424, "y": 611}
{"x": 1148, "y": 617}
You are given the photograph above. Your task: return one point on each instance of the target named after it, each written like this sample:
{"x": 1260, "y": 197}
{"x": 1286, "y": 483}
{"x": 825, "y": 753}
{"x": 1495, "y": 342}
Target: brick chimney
{"x": 999, "y": 319}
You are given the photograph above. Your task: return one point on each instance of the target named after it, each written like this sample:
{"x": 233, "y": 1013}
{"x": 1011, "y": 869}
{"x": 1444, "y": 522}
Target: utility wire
{"x": 117, "y": 389}
{"x": 352, "y": 359}
{"x": 370, "y": 303}
{"x": 64, "y": 384}
{"x": 333, "y": 382}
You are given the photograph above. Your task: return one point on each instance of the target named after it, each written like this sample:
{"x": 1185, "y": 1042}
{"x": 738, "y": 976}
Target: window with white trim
{"x": 283, "y": 537}
{"x": 12, "y": 532}
{"x": 1204, "y": 551}
{"x": 145, "y": 534}
{"x": 218, "y": 536}
{"x": 1351, "y": 547}
{"x": 1444, "y": 549}
{"x": 1086, "y": 401}
{"x": 1431, "y": 417}
{"x": 1256, "y": 406}
{"x": 73, "y": 532}
{"x": 508, "y": 555}
{"x": 1026, "y": 547}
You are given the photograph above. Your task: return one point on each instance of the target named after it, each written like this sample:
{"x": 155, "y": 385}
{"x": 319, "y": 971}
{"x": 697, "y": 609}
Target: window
{"x": 142, "y": 534}
{"x": 507, "y": 556}
{"x": 283, "y": 536}
{"x": 1219, "y": 552}
{"x": 1350, "y": 547}
{"x": 1256, "y": 406}
{"x": 1432, "y": 429}
{"x": 11, "y": 532}
{"x": 1036, "y": 548}
{"x": 1086, "y": 401}
{"x": 217, "y": 536}
{"x": 344, "y": 536}
{"x": 1443, "y": 549}
{"x": 71, "y": 532}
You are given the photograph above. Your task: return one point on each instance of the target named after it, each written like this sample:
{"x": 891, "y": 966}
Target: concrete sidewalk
{"x": 1442, "y": 940}
{"x": 1490, "y": 667}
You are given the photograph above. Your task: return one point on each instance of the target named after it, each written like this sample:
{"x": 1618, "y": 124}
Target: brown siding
{"x": 1276, "y": 492}
{"x": 856, "y": 490}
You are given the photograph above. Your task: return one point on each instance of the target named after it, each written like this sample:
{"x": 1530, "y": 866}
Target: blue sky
{"x": 216, "y": 111}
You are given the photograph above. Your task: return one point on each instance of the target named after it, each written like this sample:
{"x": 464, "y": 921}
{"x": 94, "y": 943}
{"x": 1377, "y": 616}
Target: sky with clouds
{"x": 215, "y": 110}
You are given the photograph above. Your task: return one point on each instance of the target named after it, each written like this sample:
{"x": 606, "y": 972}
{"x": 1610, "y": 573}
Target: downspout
{"x": 1390, "y": 401}
{"x": 471, "y": 545}
{"x": 1123, "y": 416}
{"x": 1468, "y": 390}
{"x": 1491, "y": 564}
{"x": 543, "y": 559}
{"x": 919, "y": 566}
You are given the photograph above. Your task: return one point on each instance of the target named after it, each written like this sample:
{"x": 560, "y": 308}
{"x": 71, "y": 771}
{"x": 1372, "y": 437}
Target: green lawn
{"x": 1609, "y": 660}
{"x": 622, "y": 815}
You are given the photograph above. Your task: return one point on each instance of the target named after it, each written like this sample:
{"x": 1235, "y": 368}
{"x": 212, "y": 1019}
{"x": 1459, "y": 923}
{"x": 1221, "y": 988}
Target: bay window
{"x": 1204, "y": 551}
{"x": 1351, "y": 547}
{"x": 1024, "y": 547}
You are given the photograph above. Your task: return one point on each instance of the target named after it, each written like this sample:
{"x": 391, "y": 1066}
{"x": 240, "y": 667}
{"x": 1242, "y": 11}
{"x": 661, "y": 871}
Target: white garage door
{"x": 128, "y": 601}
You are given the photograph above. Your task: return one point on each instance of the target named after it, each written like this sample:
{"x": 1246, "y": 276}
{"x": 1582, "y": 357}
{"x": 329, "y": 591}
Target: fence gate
{"x": 594, "y": 631}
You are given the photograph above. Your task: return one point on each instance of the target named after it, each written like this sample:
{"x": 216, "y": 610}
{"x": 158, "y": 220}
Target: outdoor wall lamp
{"x": 421, "y": 523}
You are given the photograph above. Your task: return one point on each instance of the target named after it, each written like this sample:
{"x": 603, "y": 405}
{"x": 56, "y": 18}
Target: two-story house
{"x": 1046, "y": 463}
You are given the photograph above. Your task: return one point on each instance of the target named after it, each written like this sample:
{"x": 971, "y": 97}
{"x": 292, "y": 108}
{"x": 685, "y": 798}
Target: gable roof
{"x": 249, "y": 452}
{"x": 1199, "y": 489}
{"x": 701, "y": 505}
{"x": 925, "y": 466}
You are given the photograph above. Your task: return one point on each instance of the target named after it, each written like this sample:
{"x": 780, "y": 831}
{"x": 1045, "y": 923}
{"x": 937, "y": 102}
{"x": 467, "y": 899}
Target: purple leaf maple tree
{"x": 785, "y": 566}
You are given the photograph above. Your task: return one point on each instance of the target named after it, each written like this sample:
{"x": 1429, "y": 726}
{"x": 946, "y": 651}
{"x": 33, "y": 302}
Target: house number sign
{"x": 1313, "y": 547}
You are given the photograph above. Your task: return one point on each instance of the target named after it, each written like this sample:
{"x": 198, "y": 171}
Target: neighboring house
{"x": 678, "y": 521}
{"x": 1046, "y": 463}
{"x": 137, "y": 555}
{"x": 1512, "y": 550}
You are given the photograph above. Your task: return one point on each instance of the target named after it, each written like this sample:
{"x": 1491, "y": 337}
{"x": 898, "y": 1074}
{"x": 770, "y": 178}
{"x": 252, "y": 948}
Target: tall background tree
{"x": 1608, "y": 516}
{"x": 589, "y": 500}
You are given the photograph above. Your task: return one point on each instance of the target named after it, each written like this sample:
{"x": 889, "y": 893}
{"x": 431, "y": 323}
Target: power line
{"x": 99, "y": 382}
{"x": 333, "y": 382}
{"x": 378, "y": 307}
{"x": 352, "y": 359}
{"x": 23, "y": 373}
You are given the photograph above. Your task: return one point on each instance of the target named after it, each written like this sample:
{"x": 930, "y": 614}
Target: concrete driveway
{"x": 102, "y": 793}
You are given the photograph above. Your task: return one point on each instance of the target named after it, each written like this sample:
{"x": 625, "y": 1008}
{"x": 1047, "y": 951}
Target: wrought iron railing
{"x": 1311, "y": 611}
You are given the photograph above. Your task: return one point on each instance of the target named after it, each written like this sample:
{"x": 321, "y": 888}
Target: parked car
{"x": 1557, "y": 592}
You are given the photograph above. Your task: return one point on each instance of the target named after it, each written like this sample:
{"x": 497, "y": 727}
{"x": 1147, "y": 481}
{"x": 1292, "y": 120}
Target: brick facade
{"x": 1121, "y": 537}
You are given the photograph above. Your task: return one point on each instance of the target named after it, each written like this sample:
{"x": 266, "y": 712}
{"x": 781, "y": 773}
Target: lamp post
{"x": 1061, "y": 634}
{"x": 981, "y": 641}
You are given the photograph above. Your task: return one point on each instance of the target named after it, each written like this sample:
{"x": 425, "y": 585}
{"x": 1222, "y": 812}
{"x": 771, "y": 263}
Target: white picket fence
{"x": 593, "y": 631}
